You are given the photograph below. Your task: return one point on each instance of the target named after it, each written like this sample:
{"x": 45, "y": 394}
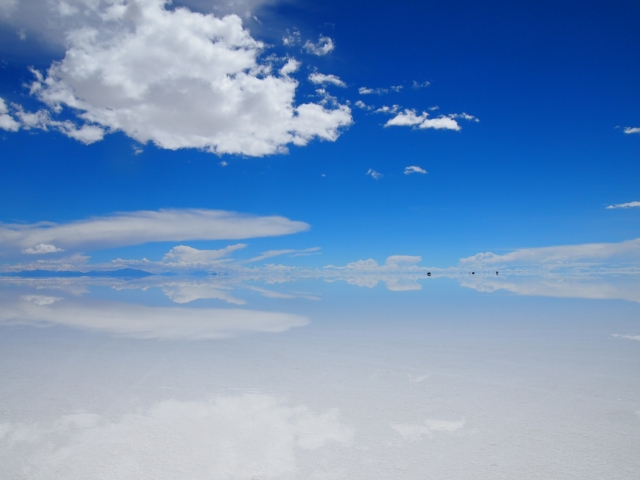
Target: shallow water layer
{"x": 242, "y": 378}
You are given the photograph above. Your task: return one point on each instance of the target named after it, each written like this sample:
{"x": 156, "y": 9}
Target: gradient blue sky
{"x": 313, "y": 313}
{"x": 553, "y": 84}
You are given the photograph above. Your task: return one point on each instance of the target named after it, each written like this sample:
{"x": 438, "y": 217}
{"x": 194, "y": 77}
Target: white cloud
{"x": 363, "y": 106}
{"x": 414, "y": 169}
{"x": 135, "y": 228}
{"x": 40, "y": 299}
{"x": 86, "y": 134}
{"x": 180, "y": 80}
{"x": 232, "y": 437}
{"x": 185, "y": 292}
{"x": 48, "y": 22}
{"x": 42, "y": 120}
{"x": 324, "y": 46}
{"x": 41, "y": 249}
{"x": 291, "y": 39}
{"x": 386, "y": 109}
{"x": 374, "y": 174}
{"x": 7, "y": 6}
{"x": 629, "y": 130}
{"x": 624, "y": 205}
{"x": 272, "y": 294}
{"x": 277, "y": 253}
{"x": 139, "y": 321}
{"x": 409, "y": 118}
{"x": 560, "y": 255}
{"x": 416, "y": 432}
{"x": 7, "y": 122}
{"x": 628, "y": 337}
{"x": 420, "y": 84}
{"x": 400, "y": 261}
{"x": 290, "y": 67}
{"x": 464, "y": 116}
{"x": 594, "y": 285}
{"x": 596, "y": 271}
{"x": 396, "y": 88}
{"x": 371, "y": 91}
{"x": 322, "y": 79}
{"x": 399, "y": 273}
{"x": 183, "y": 255}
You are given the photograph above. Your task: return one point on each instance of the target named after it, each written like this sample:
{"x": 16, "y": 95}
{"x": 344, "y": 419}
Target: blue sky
{"x": 553, "y": 85}
{"x": 296, "y": 239}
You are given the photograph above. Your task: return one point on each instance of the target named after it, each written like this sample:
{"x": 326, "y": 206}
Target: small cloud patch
{"x": 322, "y": 79}
{"x": 41, "y": 249}
{"x": 375, "y": 175}
{"x": 371, "y": 91}
{"x": 624, "y": 205}
{"x": 40, "y": 299}
{"x": 628, "y": 337}
{"x": 325, "y": 45}
{"x": 414, "y": 169}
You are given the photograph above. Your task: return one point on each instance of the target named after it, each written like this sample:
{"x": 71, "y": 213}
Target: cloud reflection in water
{"x": 140, "y": 321}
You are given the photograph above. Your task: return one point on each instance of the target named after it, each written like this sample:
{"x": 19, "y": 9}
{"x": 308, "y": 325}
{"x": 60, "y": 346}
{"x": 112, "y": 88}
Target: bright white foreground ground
{"x": 375, "y": 387}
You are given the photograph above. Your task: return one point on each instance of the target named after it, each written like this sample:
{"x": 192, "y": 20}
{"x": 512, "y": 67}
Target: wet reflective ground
{"x": 343, "y": 374}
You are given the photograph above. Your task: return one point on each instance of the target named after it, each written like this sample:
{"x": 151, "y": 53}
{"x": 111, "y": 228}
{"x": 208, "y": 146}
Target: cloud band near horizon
{"x": 136, "y": 228}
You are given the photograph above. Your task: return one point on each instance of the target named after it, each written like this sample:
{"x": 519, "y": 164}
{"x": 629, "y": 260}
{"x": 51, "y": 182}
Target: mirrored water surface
{"x": 392, "y": 371}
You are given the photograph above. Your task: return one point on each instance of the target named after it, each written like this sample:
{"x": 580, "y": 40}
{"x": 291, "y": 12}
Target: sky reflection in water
{"x": 328, "y": 374}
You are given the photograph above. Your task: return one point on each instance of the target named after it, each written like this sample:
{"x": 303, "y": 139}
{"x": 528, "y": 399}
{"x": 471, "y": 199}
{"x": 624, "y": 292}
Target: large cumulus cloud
{"x": 181, "y": 79}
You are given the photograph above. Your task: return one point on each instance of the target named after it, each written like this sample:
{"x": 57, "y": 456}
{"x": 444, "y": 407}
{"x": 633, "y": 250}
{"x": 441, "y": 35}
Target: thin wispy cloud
{"x": 627, "y": 337}
{"x": 188, "y": 291}
{"x": 414, "y": 169}
{"x": 41, "y": 120}
{"x": 41, "y": 248}
{"x": 135, "y": 228}
{"x": 291, "y": 38}
{"x": 634, "y": 204}
{"x": 409, "y": 118}
{"x": 630, "y": 130}
{"x": 324, "y": 46}
{"x": 561, "y": 255}
{"x": 184, "y": 255}
{"x": 372, "y": 91}
{"x": 41, "y": 299}
{"x": 139, "y": 321}
{"x": 420, "y": 84}
{"x": 322, "y": 79}
{"x": 375, "y": 175}
{"x": 277, "y": 253}
{"x": 360, "y": 104}
{"x": 464, "y": 116}
{"x": 389, "y": 110}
